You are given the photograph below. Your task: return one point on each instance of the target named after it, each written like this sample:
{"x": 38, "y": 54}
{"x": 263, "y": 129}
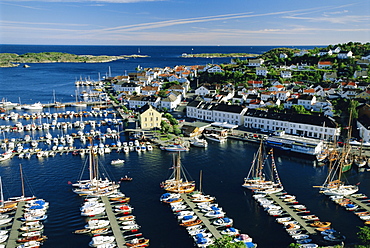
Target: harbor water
{"x": 223, "y": 166}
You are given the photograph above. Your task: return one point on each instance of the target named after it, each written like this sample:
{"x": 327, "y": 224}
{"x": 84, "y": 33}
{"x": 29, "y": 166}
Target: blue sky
{"x": 184, "y": 22}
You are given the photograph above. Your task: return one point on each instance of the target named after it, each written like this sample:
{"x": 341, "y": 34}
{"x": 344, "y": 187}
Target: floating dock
{"x": 302, "y": 222}
{"x": 120, "y": 240}
{"x": 361, "y": 204}
{"x": 212, "y": 229}
{"x": 14, "y": 232}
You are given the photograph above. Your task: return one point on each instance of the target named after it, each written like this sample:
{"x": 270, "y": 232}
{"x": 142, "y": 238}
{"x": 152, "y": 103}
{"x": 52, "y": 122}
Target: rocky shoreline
{"x": 15, "y": 60}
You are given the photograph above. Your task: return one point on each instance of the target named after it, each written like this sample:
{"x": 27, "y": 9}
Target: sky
{"x": 184, "y": 22}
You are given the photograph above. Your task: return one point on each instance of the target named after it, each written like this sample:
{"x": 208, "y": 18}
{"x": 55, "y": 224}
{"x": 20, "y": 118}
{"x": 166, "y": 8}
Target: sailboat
{"x": 78, "y": 103}
{"x": 57, "y": 104}
{"x": 360, "y": 160}
{"x": 5, "y": 206}
{"x": 178, "y": 183}
{"x": 333, "y": 184}
{"x": 22, "y": 197}
{"x": 256, "y": 178}
{"x": 94, "y": 186}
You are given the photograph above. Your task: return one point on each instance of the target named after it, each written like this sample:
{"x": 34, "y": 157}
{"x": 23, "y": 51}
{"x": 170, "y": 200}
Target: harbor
{"x": 224, "y": 166}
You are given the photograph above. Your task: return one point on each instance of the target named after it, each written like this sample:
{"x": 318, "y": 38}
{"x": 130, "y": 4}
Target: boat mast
{"x": 178, "y": 168}
{"x": 200, "y": 181}
{"x": 2, "y": 195}
{"x": 22, "y": 181}
{"x": 260, "y": 162}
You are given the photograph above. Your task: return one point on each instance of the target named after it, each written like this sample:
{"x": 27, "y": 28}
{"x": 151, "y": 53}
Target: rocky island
{"x": 219, "y": 55}
{"x": 14, "y": 60}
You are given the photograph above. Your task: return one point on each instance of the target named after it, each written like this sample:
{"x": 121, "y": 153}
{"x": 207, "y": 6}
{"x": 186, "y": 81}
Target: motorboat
{"x": 199, "y": 142}
{"x": 174, "y": 148}
{"x": 215, "y": 137}
{"x": 137, "y": 242}
{"x": 117, "y": 161}
{"x": 223, "y": 222}
{"x": 100, "y": 240}
{"x": 96, "y": 223}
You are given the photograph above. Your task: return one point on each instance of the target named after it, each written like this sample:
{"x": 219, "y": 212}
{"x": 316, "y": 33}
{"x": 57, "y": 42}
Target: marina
{"x": 224, "y": 164}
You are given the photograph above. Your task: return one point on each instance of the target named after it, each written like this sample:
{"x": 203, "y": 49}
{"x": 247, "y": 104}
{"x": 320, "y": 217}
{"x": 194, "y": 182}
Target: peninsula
{"x": 14, "y": 60}
{"x": 218, "y": 55}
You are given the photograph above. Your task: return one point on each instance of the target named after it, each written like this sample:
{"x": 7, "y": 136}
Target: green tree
{"x": 299, "y": 109}
{"x": 165, "y": 127}
{"x": 364, "y": 235}
{"x": 224, "y": 242}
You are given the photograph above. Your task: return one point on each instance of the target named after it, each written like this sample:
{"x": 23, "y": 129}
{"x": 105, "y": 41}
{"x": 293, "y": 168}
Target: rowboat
{"x": 191, "y": 223}
{"x": 321, "y": 224}
{"x": 142, "y": 242}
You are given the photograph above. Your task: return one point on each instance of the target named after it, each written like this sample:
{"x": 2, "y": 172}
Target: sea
{"x": 223, "y": 166}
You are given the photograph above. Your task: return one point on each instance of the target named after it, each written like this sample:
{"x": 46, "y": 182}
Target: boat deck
{"x": 302, "y": 222}
{"x": 212, "y": 229}
{"x": 120, "y": 240}
{"x": 14, "y": 232}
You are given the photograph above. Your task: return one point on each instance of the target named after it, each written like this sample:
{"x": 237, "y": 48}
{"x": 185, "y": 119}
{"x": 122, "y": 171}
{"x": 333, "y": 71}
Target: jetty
{"x": 14, "y": 232}
{"x": 294, "y": 215}
{"x": 212, "y": 229}
{"x": 120, "y": 240}
{"x": 360, "y": 203}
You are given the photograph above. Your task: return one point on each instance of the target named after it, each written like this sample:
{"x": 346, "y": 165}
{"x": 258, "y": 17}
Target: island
{"x": 219, "y": 55}
{"x": 14, "y": 60}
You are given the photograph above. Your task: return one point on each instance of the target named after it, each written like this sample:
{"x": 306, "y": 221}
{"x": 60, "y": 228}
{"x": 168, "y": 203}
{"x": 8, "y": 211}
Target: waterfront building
{"x": 220, "y": 112}
{"x": 319, "y": 127}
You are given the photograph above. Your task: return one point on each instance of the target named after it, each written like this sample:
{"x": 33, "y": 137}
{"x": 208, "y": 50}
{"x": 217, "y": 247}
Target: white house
{"x": 170, "y": 102}
{"x": 215, "y": 69}
{"x": 286, "y": 74}
{"x": 261, "y": 71}
{"x": 135, "y": 102}
{"x": 255, "y": 62}
{"x": 344, "y": 55}
{"x": 128, "y": 87}
{"x": 205, "y": 90}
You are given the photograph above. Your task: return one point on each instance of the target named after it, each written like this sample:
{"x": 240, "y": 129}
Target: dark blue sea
{"x": 223, "y": 166}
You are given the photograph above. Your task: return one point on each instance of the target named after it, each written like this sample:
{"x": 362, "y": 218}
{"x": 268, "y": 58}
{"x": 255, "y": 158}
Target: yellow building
{"x": 149, "y": 117}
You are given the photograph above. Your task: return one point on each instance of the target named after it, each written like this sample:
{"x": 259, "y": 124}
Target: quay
{"x": 14, "y": 232}
{"x": 120, "y": 240}
{"x": 302, "y": 222}
{"x": 212, "y": 229}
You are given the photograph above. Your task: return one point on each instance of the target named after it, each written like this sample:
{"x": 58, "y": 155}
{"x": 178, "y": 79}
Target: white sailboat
{"x": 94, "y": 186}
{"x": 178, "y": 183}
{"x": 78, "y": 103}
{"x": 256, "y": 179}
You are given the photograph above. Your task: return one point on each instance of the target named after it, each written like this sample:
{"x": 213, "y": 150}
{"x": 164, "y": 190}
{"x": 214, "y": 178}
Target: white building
{"x": 319, "y": 127}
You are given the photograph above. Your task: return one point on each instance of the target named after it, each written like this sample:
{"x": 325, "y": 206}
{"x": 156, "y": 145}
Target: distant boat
{"x": 35, "y": 106}
{"x": 117, "y": 161}
{"x": 215, "y": 137}
{"x": 174, "y": 148}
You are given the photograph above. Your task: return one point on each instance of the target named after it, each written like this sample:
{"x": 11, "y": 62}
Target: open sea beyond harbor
{"x": 223, "y": 166}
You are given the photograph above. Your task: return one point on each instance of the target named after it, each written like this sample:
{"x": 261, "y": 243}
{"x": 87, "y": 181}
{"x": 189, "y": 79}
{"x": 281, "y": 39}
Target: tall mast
{"x": 178, "y": 168}
{"x": 260, "y": 162}
{"x": 22, "y": 181}
{"x": 2, "y": 195}
{"x": 200, "y": 181}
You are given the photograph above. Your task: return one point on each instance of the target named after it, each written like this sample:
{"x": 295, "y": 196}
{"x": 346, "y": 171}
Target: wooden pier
{"x": 120, "y": 240}
{"x": 14, "y": 232}
{"x": 212, "y": 229}
{"x": 302, "y": 222}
